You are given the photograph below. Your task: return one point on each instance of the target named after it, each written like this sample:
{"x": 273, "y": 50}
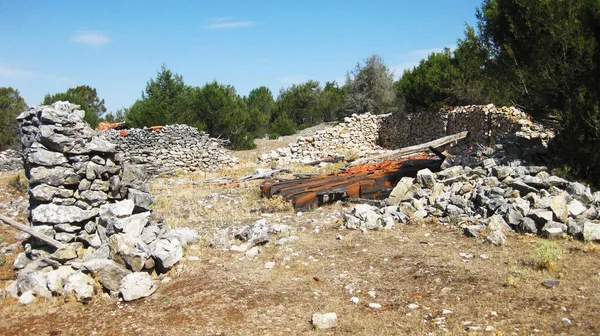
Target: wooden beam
{"x": 31, "y": 231}
{"x": 396, "y": 154}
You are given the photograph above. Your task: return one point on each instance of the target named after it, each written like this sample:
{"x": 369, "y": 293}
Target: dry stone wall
{"x": 85, "y": 195}
{"x": 173, "y": 147}
{"x": 358, "y": 134}
{"x": 486, "y": 125}
{"x": 11, "y": 160}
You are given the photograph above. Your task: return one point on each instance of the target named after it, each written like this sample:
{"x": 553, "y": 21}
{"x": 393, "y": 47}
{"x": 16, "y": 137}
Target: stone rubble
{"x": 11, "y": 160}
{"x": 85, "y": 195}
{"x": 357, "y": 135}
{"x": 173, "y": 147}
{"x": 491, "y": 190}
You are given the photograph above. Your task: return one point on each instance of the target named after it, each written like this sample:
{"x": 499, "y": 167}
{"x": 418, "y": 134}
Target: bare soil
{"x": 217, "y": 292}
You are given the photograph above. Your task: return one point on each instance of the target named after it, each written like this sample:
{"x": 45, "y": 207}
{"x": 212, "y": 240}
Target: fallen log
{"x": 31, "y": 231}
{"x": 261, "y": 174}
{"x": 326, "y": 160}
{"x": 398, "y": 153}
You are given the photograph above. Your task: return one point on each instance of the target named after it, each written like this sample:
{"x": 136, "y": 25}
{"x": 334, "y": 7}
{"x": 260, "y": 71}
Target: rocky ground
{"x": 424, "y": 276}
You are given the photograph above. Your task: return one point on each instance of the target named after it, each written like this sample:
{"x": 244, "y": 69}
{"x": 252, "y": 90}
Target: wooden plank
{"x": 393, "y": 155}
{"x": 31, "y": 231}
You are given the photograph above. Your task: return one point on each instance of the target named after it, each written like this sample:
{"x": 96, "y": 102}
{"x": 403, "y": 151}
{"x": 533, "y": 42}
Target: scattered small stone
{"x": 354, "y": 300}
{"x": 446, "y": 311}
{"x": 324, "y": 321}
{"x": 269, "y": 264}
{"x": 489, "y": 329}
{"x": 413, "y": 306}
{"x": 567, "y": 321}
{"x": 550, "y": 283}
{"x": 27, "y": 298}
{"x": 374, "y": 306}
{"x": 466, "y": 255}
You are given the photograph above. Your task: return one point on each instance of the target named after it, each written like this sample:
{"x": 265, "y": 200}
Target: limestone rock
{"x": 591, "y": 231}
{"x": 559, "y": 207}
{"x": 109, "y": 273}
{"x": 27, "y": 298}
{"x": 166, "y": 251}
{"x": 81, "y": 285}
{"x": 324, "y": 321}
{"x": 56, "y": 279}
{"x": 140, "y": 199}
{"x": 52, "y": 213}
{"x": 136, "y": 286}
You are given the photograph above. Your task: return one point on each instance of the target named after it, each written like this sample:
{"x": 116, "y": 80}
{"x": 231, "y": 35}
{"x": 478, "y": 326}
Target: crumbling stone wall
{"x": 358, "y": 134}
{"x": 10, "y": 160}
{"x": 173, "y": 147}
{"x": 84, "y": 195}
{"x": 486, "y": 125}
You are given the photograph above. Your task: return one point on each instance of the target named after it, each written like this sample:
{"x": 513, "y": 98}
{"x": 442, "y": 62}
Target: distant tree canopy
{"x": 542, "y": 55}
{"x": 370, "y": 88}
{"x": 84, "y": 96}
{"x": 11, "y": 105}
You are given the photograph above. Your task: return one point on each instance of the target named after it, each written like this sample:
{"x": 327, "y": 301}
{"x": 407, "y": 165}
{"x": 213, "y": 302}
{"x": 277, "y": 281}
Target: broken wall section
{"x": 85, "y": 196}
{"x": 486, "y": 125}
{"x": 172, "y": 147}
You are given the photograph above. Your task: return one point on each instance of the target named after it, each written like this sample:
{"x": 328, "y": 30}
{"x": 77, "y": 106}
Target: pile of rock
{"x": 98, "y": 208}
{"x": 247, "y": 239}
{"x": 490, "y": 190}
{"x": 356, "y": 136}
{"x": 173, "y": 147}
{"x": 11, "y": 160}
{"x": 486, "y": 125}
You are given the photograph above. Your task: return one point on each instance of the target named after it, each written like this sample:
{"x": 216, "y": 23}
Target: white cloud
{"x": 228, "y": 23}
{"x": 8, "y": 71}
{"x": 293, "y": 79}
{"x": 412, "y": 59}
{"x": 93, "y": 38}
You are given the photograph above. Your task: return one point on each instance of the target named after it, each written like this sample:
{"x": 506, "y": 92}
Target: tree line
{"x": 540, "y": 55}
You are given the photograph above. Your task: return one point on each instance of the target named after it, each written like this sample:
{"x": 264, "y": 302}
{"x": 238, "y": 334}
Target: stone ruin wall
{"x": 358, "y": 134}
{"x": 173, "y": 147}
{"x": 486, "y": 125}
{"x": 85, "y": 195}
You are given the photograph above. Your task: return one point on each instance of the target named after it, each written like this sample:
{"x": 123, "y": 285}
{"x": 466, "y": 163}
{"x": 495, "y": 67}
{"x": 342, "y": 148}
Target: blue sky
{"x": 117, "y": 46}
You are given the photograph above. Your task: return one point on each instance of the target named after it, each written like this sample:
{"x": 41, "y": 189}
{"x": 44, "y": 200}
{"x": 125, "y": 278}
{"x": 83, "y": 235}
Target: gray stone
{"x": 254, "y": 234}
{"x": 12, "y": 289}
{"x": 528, "y": 225}
{"x": 502, "y": 172}
{"x": 559, "y": 207}
{"x": 522, "y": 205}
{"x": 124, "y": 250}
{"x": 33, "y": 281}
{"x": 42, "y": 157}
{"x": 21, "y": 261}
{"x": 46, "y": 193}
{"x": 489, "y": 163}
{"x": 591, "y": 213}
{"x": 81, "y": 285}
{"x": 67, "y": 228}
{"x": 136, "y": 286}
{"x": 52, "y": 213}
{"x": 580, "y": 192}
{"x": 166, "y": 251}
{"x": 87, "y": 239}
{"x": 64, "y": 237}
{"x": 425, "y": 178}
{"x": 94, "y": 197}
{"x": 496, "y": 238}
{"x": 591, "y": 231}
{"x": 150, "y": 233}
{"x": 523, "y": 188}
{"x": 65, "y": 254}
{"x": 186, "y": 235}
{"x": 451, "y": 172}
{"x": 541, "y": 217}
{"x": 514, "y": 217}
{"x": 56, "y": 279}
{"x": 551, "y": 232}
{"x": 134, "y": 176}
{"x": 107, "y": 272}
{"x": 544, "y": 203}
{"x": 103, "y": 252}
{"x": 132, "y": 225}
{"x": 497, "y": 223}
{"x": 575, "y": 228}
{"x": 140, "y": 199}
{"x": 576, "y": 208}
{"x": 55, "y": 176}
{"x": 100, "y": 185}
{"x": 119, "y": 209}
{"x": 402, "y": 191}
{"x": 27, "y": 298}
{"x": 473, "y": 230}
{"x": 324, "y": 321}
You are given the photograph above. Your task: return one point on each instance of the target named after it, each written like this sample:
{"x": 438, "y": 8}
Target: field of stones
{"x": 491, "y": 244}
